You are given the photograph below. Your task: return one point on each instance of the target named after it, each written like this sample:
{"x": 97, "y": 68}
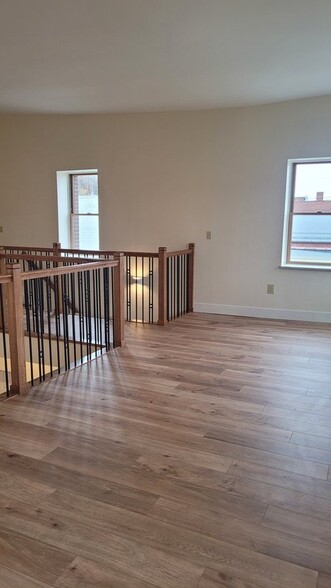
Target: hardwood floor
{"x": 197, "y": 456}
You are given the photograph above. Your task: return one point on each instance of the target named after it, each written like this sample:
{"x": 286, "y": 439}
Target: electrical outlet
{"x": 270, "y": 288}
{"x": 208, "y": 235}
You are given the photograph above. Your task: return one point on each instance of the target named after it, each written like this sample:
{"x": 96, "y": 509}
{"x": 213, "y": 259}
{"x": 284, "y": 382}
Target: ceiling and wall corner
{"x": 165, "y": 178}
{"x": 87, "y": 56}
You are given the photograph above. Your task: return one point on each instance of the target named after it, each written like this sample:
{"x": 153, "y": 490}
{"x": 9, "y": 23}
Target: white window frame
{"x": 63, "y": 183}
{"x": 73, "y": 214}
{"x": 289, "y": 197}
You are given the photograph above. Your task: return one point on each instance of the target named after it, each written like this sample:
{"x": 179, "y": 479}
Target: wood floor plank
{"x": 323, "y": 581}
{"x": 273, "y": 446}
{"x": 226, "y": 449}
{"x": 32, "y": 557}
{"x": 96, "y": 488}
{"x": 197, "y": 456}
{"x": 215, "y": 579}
{"x": 140, "y": 479}
{"x": 146, "y": 563}
{"x": 298, "y": 524}
{"x": 171, "y": 467}
{"x": 90, "y": 574}
{"x": 28, "y": 447}
{"x": 23, "y": 488}
{"x": 175, "y": 540}
{"x": 257, "y": 538}
{"x": 11, "y": 579}
{"x": 277, "y": 477}
{"x": 300, "y": 415}
{"x": 308, "y": 440}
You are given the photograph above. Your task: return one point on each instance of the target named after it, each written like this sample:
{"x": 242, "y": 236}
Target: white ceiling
{"x": 139, "y": 55}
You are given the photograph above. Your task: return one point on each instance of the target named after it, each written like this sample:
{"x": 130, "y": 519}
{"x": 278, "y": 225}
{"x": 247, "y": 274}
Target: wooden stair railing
{"x": 162, "y": 280}
{"x": 101, "y": 308}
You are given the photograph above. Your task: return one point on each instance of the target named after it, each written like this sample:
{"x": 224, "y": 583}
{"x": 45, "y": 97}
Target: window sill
{"x": 290, "y": 266}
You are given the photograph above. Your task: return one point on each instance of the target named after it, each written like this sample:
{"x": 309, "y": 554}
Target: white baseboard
{"x": 269, "y": 313}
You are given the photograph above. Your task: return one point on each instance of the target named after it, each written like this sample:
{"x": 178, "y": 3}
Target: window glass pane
{"x": 85, "y": 194}
{"x": 85, "y": 232}
{"x": 312, "y": 189}
{"x": 311, "y": 238}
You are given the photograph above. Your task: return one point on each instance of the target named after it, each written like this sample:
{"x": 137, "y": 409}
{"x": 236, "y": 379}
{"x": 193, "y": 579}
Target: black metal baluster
{"x": 94, "y": 312}
{"x": 171, "y": 288}
{"x": 73, "y": 313}
{"x": 89, "y": 307}
{"x": 65, "y": 321}
{"x": 186, "y": 284}
{"x": 136, "y": 294}
{"x": 37, "y": 325}
{"x": 80, "y": 314}
{"x": 100, "y": 308}
{"x": 128, "y": 287}
{"x": 183, "y": 283}
{"x": 88, "y": 312}
{"x": 4, "y": 342}
{"x": 27, "y": 288}
{"x": 142, "y": 290}
{"x": 168, "y": 288}
{"x": 42, "y": 325}
{"x": 113, "y": 307}
{"x": 33, "y": 306}
{"x": 57, "y": 320}
{"x": 49, "y": 325}
{"x": 96, "y": 308}
{"x": 179, "y": 284}
{"x": 85, "y": 301}
{"x": 106, "y": 305}
{"x": 150, "y": 291}
{"x": 177, "y": 262}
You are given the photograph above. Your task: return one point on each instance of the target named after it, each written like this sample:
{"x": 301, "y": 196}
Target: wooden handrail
{"x": 96, "y": 252}
{"x": 55, "y": 259}
{"x": 87, "y": 251}
{"x": 104, "y": 252}
{"x": 57, "y": 271}
{"x": 180, "y": 252}
{"x": 5, "y": 279}
{"x": 140, "y": 254}
{"x": 17, "y": 247}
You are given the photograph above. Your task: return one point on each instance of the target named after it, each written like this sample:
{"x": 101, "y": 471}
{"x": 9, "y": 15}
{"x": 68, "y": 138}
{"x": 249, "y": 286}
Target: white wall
{"x": 167, "y": 178}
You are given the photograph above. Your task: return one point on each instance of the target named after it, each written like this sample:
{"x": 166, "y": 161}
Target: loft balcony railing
{"x": 60, "y": 308}
{"x": 158, "y": 286}
{"x": 56, "y": 318}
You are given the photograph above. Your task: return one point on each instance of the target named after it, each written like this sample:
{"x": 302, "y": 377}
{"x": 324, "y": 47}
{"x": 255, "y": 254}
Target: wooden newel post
{"x": 190, "y": 289}
{"x": 118, "y": 317}
{"x": 57, "y": 253}
{"x": 16, "y": 329}
{"x": 162, "y": 286}
{"x": 56, "y": 249}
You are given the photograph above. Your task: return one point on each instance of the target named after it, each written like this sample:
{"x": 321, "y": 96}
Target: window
{"x": 307, "y": 222}
{"x": 84, "y": 233}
